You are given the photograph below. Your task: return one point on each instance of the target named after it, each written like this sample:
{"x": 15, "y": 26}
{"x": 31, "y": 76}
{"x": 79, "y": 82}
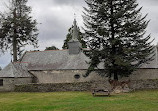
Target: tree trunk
{"x": 15, "y": 39}
{"x": 113, "y": 38}
{"x": 14, "y": 49}
{"x": 115, "y": 76}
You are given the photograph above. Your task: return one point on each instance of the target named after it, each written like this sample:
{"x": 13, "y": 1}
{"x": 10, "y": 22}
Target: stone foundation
{"x": 144, "y": 84}
{"x": 57, "y": 87}
{"x": 84, "y": 86}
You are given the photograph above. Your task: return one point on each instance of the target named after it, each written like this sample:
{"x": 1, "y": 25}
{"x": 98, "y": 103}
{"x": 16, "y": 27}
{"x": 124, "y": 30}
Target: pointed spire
{"x": 75, "y": 31}
{"x": 74, "y": 44}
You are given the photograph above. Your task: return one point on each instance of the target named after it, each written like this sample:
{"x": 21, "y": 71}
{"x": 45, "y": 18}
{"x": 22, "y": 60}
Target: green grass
{"x": 79, "y": 101}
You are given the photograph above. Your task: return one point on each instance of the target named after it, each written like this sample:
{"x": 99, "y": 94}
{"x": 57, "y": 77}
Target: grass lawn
{"x": 79, "y": 101}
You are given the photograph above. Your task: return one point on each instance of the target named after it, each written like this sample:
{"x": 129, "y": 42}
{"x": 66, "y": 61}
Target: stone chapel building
{"x": 61, "y": 66}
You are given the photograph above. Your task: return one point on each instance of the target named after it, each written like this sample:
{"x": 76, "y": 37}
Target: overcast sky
{"x": 56, "y": 17}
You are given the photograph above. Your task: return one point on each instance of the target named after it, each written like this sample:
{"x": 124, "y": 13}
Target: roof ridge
{"x": 46, "y": 51}
{"x": 21, "y": 62}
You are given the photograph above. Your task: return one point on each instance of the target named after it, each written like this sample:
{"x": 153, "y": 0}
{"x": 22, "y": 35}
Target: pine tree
{"x": 17, "y": 28}
{"x": 115, "y": 32}
{"x": 69, "y": 37}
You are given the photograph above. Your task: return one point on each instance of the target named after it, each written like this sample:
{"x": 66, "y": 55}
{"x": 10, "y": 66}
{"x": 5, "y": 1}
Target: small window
{"x": 76, "y": 76}
{"x": 1, "y": 82}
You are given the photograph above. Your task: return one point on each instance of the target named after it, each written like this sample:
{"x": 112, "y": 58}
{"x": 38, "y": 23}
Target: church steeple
{"x": 74, "y": 44}
{"x": 75, "y": 31}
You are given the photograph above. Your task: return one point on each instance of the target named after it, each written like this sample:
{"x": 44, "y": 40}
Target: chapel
{"x": 61, "y": 66}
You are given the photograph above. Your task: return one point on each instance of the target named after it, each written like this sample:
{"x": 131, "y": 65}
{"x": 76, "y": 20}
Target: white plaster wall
{"x": 64, "y": 76}
{"x": 67, "y": 76}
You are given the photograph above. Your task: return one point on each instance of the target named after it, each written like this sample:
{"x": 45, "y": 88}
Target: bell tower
{"x": 74, "y": 44}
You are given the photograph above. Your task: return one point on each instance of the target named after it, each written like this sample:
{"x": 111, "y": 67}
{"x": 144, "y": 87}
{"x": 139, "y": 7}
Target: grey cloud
{"x": 58, "y": 2}
{"x": 151, "y": 7}
{"x": 68, "y": 2}
{"x": 53, "y": 27}
{"x": 55, "y": 24}
{"x": 148, "y": 2}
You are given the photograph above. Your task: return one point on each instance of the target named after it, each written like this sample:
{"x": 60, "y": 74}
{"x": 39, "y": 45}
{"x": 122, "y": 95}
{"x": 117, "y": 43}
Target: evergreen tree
{"x": 115, "y": 32}
{"x": 17, "y": 28}
{"x": 51, "y": 48}
{"x": 69, "y": 37}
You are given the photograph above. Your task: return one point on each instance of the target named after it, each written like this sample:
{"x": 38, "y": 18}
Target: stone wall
{"x": 9, "y": 83}
{"x": 85, "y": 86}
{"x": 144, "y": 84}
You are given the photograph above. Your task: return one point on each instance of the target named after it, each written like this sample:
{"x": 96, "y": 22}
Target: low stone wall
{"x": 144, "y": 84}
{"x": 84, "y": 86}
{"x": 56, "y": 87}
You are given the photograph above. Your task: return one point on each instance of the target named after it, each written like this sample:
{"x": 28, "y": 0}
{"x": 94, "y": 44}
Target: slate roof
{"x": 57, "y": 60}
{"x": 60, "y": 59}
{"x": 15, "y": 70}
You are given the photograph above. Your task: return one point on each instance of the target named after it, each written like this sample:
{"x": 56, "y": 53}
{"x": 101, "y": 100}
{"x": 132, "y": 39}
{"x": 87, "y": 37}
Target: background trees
{"x": 52, "y": 48}
{"x": 69, "y": 37}
{"x": 17, "y": 28}
{"x": 115, "y": 32}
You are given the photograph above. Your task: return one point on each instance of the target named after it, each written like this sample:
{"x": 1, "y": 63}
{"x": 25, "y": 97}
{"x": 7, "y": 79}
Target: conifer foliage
{"x": 115, "y": 31}
{"x": 17, "y": 28}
